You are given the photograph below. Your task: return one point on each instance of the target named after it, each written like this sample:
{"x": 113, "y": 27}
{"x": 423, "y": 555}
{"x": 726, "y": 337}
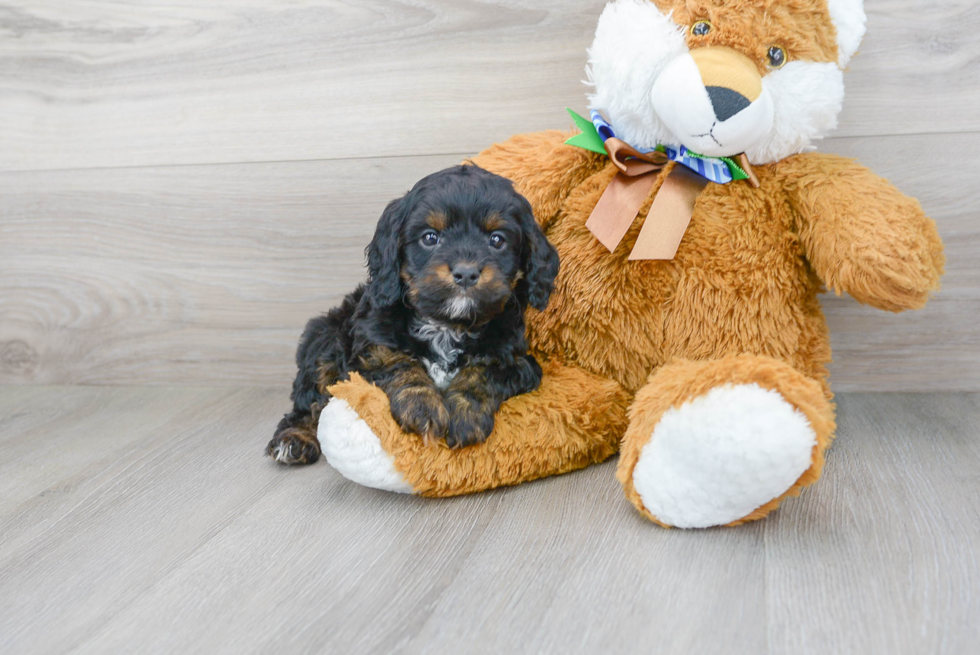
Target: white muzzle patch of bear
{"x": 713, "y": 100}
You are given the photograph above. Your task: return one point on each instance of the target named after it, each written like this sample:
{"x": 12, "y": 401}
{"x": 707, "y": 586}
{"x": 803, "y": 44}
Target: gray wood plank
{"x": 561, "y": 574}
{"x": 201, "y": 545}
{"x": 922, "y": 350}
{"x": 931, "y": 349}
{"x": 96, "y": 84}
{"x": 881, "y": 556}
{"x": 206, "y": 275}
{"x": 603, "y": 580}
{"x": 181, "y": 274}
{"x": 63, "y": 443}
{"x": 114, "y": 535}
{"x": 197, "y": 544}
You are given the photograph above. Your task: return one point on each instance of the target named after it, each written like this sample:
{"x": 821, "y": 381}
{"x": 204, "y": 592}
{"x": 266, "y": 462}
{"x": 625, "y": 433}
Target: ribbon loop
{"x": 631, "y": 161}
{"x": 673, "y": 207}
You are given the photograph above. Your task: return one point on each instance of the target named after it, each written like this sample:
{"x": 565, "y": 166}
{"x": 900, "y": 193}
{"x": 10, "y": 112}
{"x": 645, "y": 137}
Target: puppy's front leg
{"x": 477, "y": 392}
{"x": 294, "y": 441}
{"x": 415, "y": 401}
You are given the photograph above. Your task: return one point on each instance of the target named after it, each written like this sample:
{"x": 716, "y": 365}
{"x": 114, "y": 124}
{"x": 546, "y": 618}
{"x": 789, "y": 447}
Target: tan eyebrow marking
{"x": 493, "y": 222}
{"x": 437, "y": 221}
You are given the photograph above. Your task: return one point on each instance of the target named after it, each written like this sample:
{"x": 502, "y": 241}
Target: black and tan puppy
{"x": 439, "y": 326}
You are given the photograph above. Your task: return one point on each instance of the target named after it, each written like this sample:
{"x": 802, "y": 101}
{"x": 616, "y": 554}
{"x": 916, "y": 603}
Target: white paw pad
{"x": 355, "y": 451}
{"x": 718, "y": 457}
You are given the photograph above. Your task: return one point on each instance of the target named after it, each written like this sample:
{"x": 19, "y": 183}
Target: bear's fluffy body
{"x": 733, "y": 320}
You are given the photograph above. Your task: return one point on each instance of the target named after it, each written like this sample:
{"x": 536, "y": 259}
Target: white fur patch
{"x": 441, "y": 374}
{"x": 443, "y": 339}
{"x": 717, "y": 458}
{"x": 350, "y": 446}
{"x": 459, "y": 306}
{"x": 633, "y": 44}
{"x": 681, "y": 101}
{"x": 807, "y": 97}
{"x": 849, "y": 21}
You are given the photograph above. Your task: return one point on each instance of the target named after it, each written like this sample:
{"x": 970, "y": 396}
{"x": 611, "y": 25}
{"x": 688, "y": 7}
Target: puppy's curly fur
{"x": 439, "y": 326}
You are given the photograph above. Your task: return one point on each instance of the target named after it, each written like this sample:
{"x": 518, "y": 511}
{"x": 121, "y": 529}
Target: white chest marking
{"x": 440, "y": 374}
{"x": 444, "y": 346}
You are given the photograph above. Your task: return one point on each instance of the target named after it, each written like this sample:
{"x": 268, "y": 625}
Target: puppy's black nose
{"x": 466, "y": 274}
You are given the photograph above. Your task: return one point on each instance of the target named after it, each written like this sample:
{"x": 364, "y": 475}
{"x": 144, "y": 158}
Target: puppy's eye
{"x": 497, "y": 241}
{"x": 776, "y": 56}
{"x": 701, "y": 28}
{"x": 430, "y": 239}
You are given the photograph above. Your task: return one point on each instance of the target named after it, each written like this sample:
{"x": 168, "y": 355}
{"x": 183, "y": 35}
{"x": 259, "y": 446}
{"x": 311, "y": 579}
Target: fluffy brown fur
{"x": 572, "y": 420}
{"x": 738, "y": 304}
{"x": 752, "y": 26}
{"x": 683, "y": 380}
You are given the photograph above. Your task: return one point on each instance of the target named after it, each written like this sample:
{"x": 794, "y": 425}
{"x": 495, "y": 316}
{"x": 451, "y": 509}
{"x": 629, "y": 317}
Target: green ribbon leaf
{"x": 733, "y": 168}
{"x": 589, "y": 139}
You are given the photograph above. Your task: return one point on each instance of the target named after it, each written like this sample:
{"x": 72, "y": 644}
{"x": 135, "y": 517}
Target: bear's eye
{"x": 777, "y": 57}
{"x": 701, "y": 28}
{"x": 430, "y": 239}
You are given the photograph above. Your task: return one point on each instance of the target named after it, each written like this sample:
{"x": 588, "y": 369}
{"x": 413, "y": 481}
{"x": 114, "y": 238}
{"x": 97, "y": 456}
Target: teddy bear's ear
{"x": 849, "y": 19}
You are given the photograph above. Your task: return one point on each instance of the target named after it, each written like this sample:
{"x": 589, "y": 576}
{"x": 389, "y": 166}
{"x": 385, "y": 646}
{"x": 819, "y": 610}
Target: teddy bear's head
{"x": 722, "y": 77}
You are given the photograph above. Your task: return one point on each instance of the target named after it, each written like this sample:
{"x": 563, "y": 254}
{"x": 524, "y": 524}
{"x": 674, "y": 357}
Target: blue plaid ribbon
{"x": 710, "y": 168}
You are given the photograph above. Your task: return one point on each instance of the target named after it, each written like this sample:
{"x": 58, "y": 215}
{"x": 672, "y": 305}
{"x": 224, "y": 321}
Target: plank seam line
{"x": 30, "y": 171}
{"x": 7, "y": 171}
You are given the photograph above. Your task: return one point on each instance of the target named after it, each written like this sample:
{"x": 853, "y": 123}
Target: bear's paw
{"x": 716, "y": 459}
{"x": 351, "y": 448}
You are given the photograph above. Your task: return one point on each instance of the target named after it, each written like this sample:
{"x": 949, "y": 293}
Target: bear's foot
{"x": 722, "y": 442}
{"x": 716, "y": 458}
{"x": 352, "y": 448}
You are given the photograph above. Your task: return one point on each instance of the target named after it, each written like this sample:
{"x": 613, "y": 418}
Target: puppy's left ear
{"x": 540, "y": 260}
{"x": 384, "y": 254}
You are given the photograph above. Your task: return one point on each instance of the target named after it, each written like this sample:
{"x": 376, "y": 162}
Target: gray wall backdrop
{"x": 183, "y": 184}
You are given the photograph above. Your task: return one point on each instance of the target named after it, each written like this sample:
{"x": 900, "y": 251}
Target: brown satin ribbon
{"x": 670, "y": 213}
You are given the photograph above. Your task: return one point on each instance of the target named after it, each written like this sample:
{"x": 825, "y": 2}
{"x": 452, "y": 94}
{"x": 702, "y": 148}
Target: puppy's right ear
{"x": 384, "y": 254}
{"x": 540, "y": 260}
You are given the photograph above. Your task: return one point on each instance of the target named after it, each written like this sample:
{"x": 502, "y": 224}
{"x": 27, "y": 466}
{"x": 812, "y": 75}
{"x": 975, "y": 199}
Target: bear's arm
{"x": 543, "y": 169}
{"x": 861, "y": 234}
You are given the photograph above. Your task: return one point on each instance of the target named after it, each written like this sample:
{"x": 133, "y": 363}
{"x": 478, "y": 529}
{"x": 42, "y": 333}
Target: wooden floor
{"x": 136, "y": 520}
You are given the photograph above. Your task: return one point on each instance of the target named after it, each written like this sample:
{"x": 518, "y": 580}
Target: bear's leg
{"x": 572, "y": 420}
{"x": 721, "y": 442}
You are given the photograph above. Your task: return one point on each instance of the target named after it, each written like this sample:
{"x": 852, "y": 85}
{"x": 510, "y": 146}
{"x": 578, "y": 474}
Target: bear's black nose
{"x": 726, "y": 102}
{"x": 466, "y": 274}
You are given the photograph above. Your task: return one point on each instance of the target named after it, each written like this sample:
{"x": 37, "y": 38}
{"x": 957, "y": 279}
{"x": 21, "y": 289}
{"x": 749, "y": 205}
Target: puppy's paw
{"x": 294, "y": 446}
{"x": 470, "y": 424}
{"x": 420, "y": 410}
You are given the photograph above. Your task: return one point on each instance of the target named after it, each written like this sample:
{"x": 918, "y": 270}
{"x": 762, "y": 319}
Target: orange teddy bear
{"x": 695, "y": 233}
